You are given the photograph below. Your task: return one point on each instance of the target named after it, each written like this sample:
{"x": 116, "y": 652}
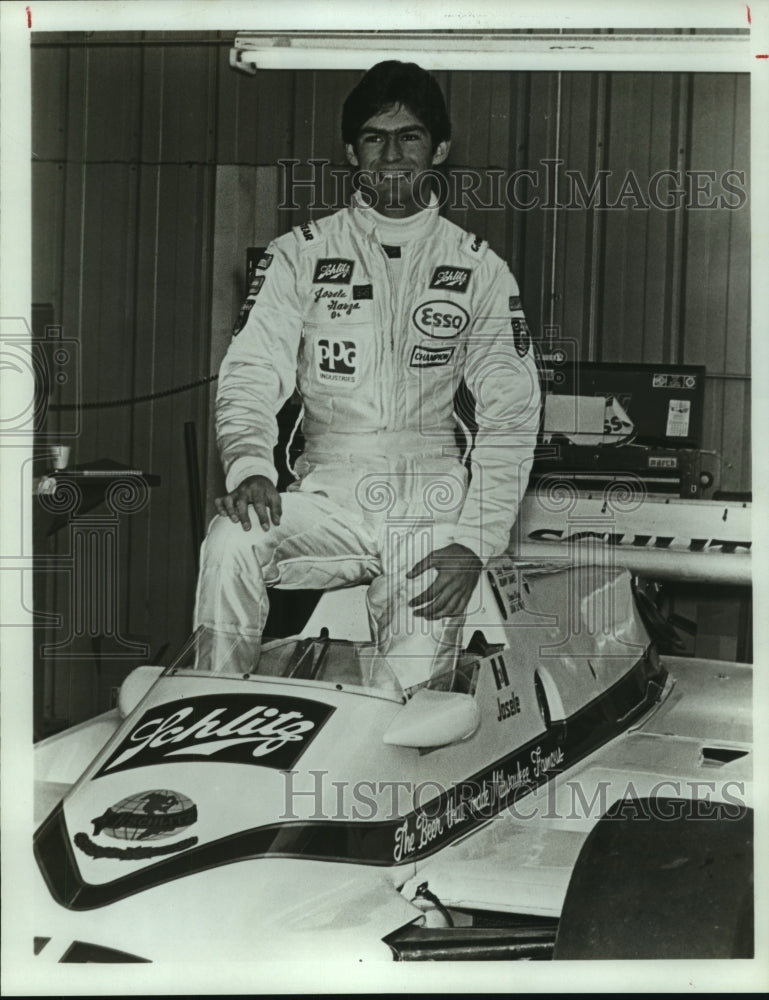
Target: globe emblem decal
{"x": 148, "y": 815}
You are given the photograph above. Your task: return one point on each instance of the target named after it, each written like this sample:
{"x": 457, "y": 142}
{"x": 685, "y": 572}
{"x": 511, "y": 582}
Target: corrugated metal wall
{"x": 155, "y": 167}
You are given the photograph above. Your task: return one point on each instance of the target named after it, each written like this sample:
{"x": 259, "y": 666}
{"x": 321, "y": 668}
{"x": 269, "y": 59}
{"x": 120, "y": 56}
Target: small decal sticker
{"x": 515, "y": 303}
{"x": 500, "y": 672}
{"x": 671, "y": 381}
{"x": 679, "y": 412}
{"x": 440, "y": 319}
{"x": 454, "y": 279}
{"x": 264, "y": 261}
{"x": 333, "y": 271}
{"x": 360, "y": 292}
{"x": 423, "y": 356}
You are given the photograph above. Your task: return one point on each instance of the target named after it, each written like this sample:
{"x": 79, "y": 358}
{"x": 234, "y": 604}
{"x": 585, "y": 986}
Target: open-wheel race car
{"x": 562, "y": 792}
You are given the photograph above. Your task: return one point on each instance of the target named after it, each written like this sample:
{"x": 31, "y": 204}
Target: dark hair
{"x": 390, "y": 83}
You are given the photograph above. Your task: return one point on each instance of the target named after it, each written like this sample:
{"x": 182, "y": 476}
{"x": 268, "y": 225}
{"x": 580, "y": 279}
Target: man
{"x": 376, "y": 313}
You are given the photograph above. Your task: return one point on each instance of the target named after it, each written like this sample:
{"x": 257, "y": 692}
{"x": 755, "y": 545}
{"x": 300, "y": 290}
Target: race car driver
{"x": 375, "y": 313}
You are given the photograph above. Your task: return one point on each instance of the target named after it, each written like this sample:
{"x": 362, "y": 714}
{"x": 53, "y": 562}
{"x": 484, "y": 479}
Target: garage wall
{"x": 154, "y": 167}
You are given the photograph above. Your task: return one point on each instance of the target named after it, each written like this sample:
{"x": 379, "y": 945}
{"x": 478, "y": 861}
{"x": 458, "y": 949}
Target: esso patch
{"x": 440, "y": 319}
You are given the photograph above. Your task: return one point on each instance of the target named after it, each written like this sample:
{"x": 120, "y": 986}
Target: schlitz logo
{"x": 333, "y": 271}
{"x": 269, "y": 730}
{"x": 453, "y": 278}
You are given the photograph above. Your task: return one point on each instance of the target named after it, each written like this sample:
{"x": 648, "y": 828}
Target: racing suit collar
{"x": 394, "y": 231}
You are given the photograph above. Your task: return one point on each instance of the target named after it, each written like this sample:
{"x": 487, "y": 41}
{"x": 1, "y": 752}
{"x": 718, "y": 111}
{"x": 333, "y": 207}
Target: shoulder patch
{"x": 307, "y": 234}
{"x": 521, "y": 336}
{"x": 253, "y": 291}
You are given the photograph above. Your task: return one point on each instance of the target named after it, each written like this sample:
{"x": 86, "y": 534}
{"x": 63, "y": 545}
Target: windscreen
{"x": 335, "y": 661}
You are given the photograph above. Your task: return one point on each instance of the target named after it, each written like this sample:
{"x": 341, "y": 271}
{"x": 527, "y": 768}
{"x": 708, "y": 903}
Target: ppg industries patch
{"x": 521, "y": 336}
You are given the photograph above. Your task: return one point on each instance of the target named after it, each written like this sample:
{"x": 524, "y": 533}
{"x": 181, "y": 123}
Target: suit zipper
{"x": 396, "y": 299}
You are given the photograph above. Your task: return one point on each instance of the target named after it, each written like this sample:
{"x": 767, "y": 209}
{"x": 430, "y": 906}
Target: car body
{"x": 314, "y": 805}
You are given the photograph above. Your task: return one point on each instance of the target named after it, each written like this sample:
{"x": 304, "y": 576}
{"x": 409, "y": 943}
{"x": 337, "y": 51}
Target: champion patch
{"x": 424, "y": 356}
{"x": 521, "y": 337}
{"x": 264, "y": 261}
{"x": 360, "y": 292}
{"x": 333, "y": 271}
{"x": 455, "y": 279}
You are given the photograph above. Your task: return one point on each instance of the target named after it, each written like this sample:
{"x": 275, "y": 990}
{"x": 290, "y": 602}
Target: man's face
{"x": 392, "y": 149}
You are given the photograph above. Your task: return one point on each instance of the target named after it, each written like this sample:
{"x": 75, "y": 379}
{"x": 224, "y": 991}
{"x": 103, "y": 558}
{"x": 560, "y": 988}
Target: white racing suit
{"x": 377, "y": 343}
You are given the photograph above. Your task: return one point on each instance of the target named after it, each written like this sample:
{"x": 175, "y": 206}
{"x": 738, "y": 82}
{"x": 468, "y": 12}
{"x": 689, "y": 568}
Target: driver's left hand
{"x": 448, "y": 595}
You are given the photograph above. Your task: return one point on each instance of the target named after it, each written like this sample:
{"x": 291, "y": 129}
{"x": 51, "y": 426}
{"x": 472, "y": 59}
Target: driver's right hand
{"x": 263, "y": 497}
